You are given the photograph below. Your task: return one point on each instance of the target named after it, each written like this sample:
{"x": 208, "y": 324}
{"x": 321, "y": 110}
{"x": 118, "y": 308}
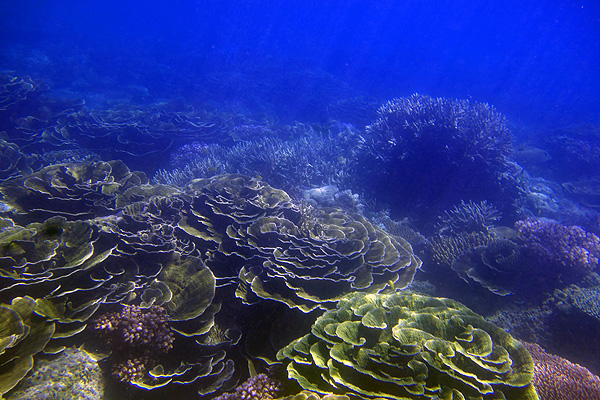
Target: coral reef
{"x": 516, "y": 319}
{"x": 558, "y": 317}
{"x": 331, "y": 196}
{"x": 558, "y": 379}
{"x": 14, "y": 162}
{"x": 73, "y": 190}
{"x": 586, "y": 190}
{"x": 495, "y": 266}
{"x": 114, "y": 239}
{"x": 577, "y": 146}
{"x": 409, "y": 346}
{"x": 258, "y": 387}
{"x": 587, "y": 300}
{"x": 307, "y": 395}
{"x": 138, "y": 339}
{"x": 74, "y": 374}
{"x": 402, "y": 228}
{"x": 559, "y": 248}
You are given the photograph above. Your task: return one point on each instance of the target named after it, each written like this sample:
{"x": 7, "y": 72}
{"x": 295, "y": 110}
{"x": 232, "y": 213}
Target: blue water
{"x": 289, "y": 92}
{"x": 536, "y": 61}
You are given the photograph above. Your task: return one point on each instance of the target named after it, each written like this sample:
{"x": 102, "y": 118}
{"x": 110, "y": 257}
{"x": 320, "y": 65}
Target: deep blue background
{"x": 536, "y": 61}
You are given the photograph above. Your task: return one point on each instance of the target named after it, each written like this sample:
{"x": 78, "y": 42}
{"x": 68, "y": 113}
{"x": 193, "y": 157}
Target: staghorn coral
{"x": 409, "y": 346}
{"x": 558, "y": 379}
{"x": 562, "y": 249}
{"x": 446, "y": 249}
{"x": 436, "y": 151}
{"x": 476, "y": 127}
{"x": 288, "y": 164}
{"x": 138, "y": 338}
{"x": 469, "y": 217}
{"x": 258, "y": 387}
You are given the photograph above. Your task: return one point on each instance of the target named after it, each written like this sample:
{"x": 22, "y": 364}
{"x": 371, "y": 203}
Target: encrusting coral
{"x": 138, "y": 337}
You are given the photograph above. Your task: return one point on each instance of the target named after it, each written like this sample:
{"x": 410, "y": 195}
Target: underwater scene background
{"x": 299, "y": 199}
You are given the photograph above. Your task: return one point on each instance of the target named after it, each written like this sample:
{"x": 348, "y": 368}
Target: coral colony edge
{"x": 407, "y": 263}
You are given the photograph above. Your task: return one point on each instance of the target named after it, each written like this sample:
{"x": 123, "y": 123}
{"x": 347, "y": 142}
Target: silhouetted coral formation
{"x": 431, "y": 152}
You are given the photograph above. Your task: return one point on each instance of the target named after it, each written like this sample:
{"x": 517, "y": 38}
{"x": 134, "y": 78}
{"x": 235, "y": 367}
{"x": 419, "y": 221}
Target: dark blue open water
{"x": 466, "y": 133}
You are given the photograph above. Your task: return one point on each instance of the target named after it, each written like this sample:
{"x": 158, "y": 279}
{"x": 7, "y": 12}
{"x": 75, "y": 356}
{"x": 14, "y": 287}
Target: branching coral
{"x": 431, "y": 152}
{"x": 470, "y": 217}
{"x": 288, "y": 164}
{"x": 559, "y": 246}
{"x": 259, "y": 387}
{"x": 559, "y": 379}
{"x": 476, "y": 128}
{"x": 138, "y": 338}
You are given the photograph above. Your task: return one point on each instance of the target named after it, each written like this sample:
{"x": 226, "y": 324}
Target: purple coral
{"x": 559, "y": 379}
{"x": 560, "y": 245}
{"x": 259, "y": 387}
{"x": 136, "y": 336}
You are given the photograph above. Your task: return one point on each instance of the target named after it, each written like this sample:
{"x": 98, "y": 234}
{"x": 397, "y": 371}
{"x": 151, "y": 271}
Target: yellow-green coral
{"x": 23, "y": 334}
{"x": 409, "y": 346}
